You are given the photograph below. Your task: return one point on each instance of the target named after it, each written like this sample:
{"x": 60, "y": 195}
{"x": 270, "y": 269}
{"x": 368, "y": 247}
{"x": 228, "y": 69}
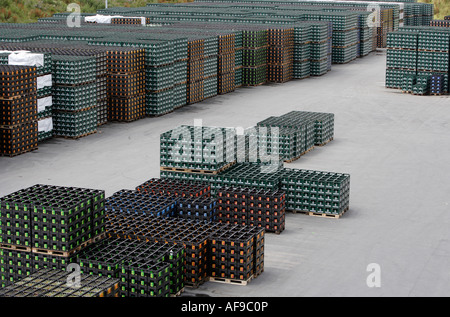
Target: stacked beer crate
{"x": 69, "y": 49}
{"x": 280, "y": 54}
{"x": 238, "y": 59}
{"x": 210, "y": 66}
{"x": 367, "y": 35}
{"x": 401, "y": 57}
{"x": 226, "y": 64}
{"x": 320, "y": 48}
{"x": 144, "y": 269}
{"x": 302, "y": 51}
{"x": 345, "y": 37}
{"x": 236, "y": 253}
{"x": 433, "y": 54}
{"x": 316, "y": 193}
{"x": 415, "y": 54}
{"x": 126, "y": 84}
{"x": 323, "y": 125}
{"x": 102, "y": 83}
{"x": 45, "y": 99}
{"x": 437, "y": 84}
{"x": 53, "y": 283}
{"x": 43, "y": 64}
{"x": 180, "y": 73}
{"x": 130, "y": 201}
{"x": 274, "y": 142}
{"x": 18, "y": 121}
{"x": 193, "y": 200}
{"x": 254, "y": 56}
{"x": 200, "y": 242}
{"x": 45, "y": 226}
{"x": 307, "y": 128}
{"x": 252, "y": 207}
{"x": 197, "y": 149}
{"x": 440, "y": 23}
{"x": 162, "y": 69}
{"x": 74, "y": 96}
{"x": 386, "y": 25}
{"x": 196, "y": 70}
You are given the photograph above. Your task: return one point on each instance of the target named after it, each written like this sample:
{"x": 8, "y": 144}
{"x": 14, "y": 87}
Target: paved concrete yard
{"x": 395, "y": 146}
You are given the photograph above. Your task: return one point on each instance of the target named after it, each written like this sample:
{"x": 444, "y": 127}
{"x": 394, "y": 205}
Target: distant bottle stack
{"x": 252, "y": 207}
{"x": 126, "y": 84}
{"x": 18, "y": 100}
{"x": 45, "y": 226}
{"x": 53, "y": 283}
{"x": 440, "y": 23}
{"x": 74, "y": 96}
{"x": 437, "y": 84}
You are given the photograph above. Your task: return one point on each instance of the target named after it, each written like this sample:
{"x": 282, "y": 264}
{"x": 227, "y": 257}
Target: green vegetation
{"x": 441, "y": 8}
{"x": 25, "y": 11}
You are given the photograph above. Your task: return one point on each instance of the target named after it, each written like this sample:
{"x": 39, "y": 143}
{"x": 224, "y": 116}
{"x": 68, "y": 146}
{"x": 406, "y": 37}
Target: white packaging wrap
{"x": 24, "y": 58}
{"x": 44, "y": 81}
{"x": 43, "y": 103}
{"x": 107, "y": 18}
{"x": 45, "y": 125}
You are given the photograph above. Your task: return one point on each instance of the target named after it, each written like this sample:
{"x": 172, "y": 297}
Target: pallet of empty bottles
{"x": 252, "y": 207}
{"x": 144, "y": 269}
{"x": 71, "y": 51}
{"x": 130, "y": 201}
{"x": 126, "y": 84}
{"x": 18, "y": 120}
{"x": 421, "y": 52}
{"x": 42, "y": 62}
{"x": 44, "y": 226}
{"x": 196, "y": 238}
{"x": 54, "y": 283}
{"x": 74, "y": 98}
{"x": 316, "y": 193}
{"x": 293, "y": 134}
{"x": 166, "y": 187}
{"x": 310, "y": 192}
{"x": 440, "y": 23}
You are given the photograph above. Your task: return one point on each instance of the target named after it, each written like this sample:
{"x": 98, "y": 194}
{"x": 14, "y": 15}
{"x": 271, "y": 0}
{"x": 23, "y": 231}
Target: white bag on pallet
{"x": 44, "y": 81}
{"x": 24, "y": 58}
{"x": 44, "y": 103}
{"x": 45, "y": 125}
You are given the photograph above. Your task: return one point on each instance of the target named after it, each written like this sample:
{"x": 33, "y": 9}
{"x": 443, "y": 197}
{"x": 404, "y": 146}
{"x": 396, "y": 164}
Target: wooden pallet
{"x": 320, "y": 214}
{"x": 196, "y": 284}
{"x": 71, "y": 252}
{"x": 297, "y": 157}
{"x": 178, "y": 293}
{"x": 75, "y": 137}
{"x": 230, "y": 281}
{"x": 196, "y": 171}
{"x": 78, "y": 84}
{"x": 249, "y": 85}
{"x": 19, "y": 153}
{"x": 14, "y": 247}
{"x": 326, "y": 142}
{"x": 433, "y": 51}
{"x": 12, "y": 97}
{"x": 160, "y": 114}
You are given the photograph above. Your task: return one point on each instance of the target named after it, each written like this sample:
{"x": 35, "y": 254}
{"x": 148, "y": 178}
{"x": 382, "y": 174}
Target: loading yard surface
{"x": 394, "y": 145}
